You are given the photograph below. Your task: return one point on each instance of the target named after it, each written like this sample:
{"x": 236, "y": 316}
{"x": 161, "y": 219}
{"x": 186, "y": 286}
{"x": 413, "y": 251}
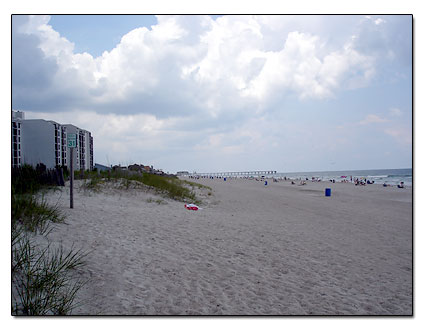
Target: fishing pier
{"x": 236, "y": 174}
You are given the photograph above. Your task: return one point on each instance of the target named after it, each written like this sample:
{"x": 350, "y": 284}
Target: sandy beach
{"x": 280, "y": 249}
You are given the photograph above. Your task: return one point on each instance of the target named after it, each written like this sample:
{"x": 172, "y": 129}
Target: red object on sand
{"x": 191, "y": 207}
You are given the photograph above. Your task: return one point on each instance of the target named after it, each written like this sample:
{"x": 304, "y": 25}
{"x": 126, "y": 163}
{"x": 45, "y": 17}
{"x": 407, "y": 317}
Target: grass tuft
{"x": 168, "y": 186}
{"x": 94, "y": 184}
{"x": 33, "y": 215}
{"x": 193, "y": 184}
{"x": 42, "y": 279}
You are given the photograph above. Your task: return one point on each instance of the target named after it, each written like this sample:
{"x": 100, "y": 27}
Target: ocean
{"x": 379, "y": 176}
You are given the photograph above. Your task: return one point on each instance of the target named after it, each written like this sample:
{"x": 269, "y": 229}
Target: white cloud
{"x": 371, "y": 118}
{"x": 376, "y": 21}
{"x": 126, "y": 135}
{"x": 379, "y": 21}
{"x": 402, "y": 135}
{"x": 395, "y": 112}
{"x": 192, "y": 84}
{"x": 219, "y": 61}
{"x": 388, "y": 40}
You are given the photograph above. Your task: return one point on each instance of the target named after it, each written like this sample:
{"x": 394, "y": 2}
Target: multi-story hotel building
{"x": 39, "y": 141}
{"x": 16, "y": 138}
{"x": 83, "y": 153}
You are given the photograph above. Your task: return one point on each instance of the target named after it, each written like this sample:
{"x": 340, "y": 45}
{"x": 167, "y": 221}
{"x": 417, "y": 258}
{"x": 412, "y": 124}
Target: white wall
{"x": 38, "y": 142}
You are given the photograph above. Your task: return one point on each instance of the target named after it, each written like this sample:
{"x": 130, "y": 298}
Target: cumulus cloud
{"x": 194, "y": 84}
{"x": 387, "y": 42}
{"x": 186, "y": 65}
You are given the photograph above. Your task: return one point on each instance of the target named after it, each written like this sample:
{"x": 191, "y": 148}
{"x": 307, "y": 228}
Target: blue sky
{"x": 286, "y": 93}
{"x": 98, "y": 33}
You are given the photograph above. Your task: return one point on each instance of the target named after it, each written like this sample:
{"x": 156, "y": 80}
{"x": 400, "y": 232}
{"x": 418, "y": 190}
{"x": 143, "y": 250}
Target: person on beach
{"x": 401, "y": 185}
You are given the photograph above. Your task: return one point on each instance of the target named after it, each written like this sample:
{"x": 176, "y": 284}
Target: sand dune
{"x": 277, "y": 250}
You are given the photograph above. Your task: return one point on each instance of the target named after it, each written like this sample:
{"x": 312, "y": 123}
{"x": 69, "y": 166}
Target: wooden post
{"x": 71, "y": 180}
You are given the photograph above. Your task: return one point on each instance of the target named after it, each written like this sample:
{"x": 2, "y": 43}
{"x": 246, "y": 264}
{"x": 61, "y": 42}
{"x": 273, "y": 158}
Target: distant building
{"x": 119, "y": 167}
{"x": 182, "y": 173}
{"x": 100, "y": 167}
{"x": 39, "y": 141}
{"x": 136, "y": 168}
{"x": 17, "y": 158}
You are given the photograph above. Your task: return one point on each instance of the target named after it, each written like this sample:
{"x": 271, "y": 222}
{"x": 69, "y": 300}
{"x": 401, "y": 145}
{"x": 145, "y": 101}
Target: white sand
{"x": 277, "y": 250}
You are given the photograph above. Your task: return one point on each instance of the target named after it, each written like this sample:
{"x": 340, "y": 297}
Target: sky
{"x": 223, "y": 93}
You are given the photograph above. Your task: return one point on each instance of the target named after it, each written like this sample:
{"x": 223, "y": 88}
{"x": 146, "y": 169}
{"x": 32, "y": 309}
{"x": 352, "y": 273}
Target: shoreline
{"x": 378, "y": 176}
{"x": 325, "y": 183}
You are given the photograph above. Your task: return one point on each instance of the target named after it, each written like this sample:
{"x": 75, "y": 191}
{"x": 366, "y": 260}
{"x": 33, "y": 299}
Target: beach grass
{"x": 171, "y": 187}
{"x": 93, "y": 184}
{"x": 42, "y": 277}
{"x": 27, "y": 179}
{"x": 158, "y": 201}
{"x": 164, "y": 185}
{"x": 34, "y": 215}
{"x": 42, "y": 280}
{"x": 193, "y": 184}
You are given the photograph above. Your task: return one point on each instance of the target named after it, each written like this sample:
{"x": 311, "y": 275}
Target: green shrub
{"x": 27, "y": 179}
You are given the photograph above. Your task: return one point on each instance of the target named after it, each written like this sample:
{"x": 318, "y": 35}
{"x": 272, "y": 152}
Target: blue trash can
{"x": 328, "y": 192}
{"x": 224, "y": 179}
{"x": 266, "y": 183}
